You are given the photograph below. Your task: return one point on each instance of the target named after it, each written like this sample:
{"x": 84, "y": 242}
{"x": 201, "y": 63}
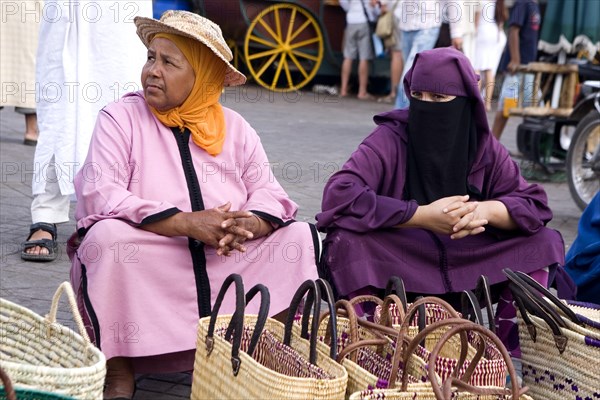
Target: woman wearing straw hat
{"x": 175, "y": 195}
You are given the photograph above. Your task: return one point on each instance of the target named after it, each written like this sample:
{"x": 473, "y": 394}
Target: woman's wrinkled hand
{"x": 212, "y": 227}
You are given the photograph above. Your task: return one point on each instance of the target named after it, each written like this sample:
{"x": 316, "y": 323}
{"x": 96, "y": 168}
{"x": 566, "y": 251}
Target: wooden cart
{"x": 283, "y": 45}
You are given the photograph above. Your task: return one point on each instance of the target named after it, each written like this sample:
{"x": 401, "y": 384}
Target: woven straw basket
{"x": 257, "y": 364}
{"x": 452, "y": 388}
{"x": 371, "y": 365}
{"x": 9, "y": 392}
{"x": 490, "y": 371}
{"x": 559, "y": 353}
{"x": 40, "y": 354}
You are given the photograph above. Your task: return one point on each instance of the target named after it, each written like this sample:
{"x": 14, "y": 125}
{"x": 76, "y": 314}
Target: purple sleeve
{"x": 358, "y": 198}
{"x": 527, "y": 203}
{"x": 101, "y": 194}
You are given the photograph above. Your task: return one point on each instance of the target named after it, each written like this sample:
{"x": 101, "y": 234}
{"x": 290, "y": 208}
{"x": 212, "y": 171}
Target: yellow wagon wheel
{"x": 283, "y": 47}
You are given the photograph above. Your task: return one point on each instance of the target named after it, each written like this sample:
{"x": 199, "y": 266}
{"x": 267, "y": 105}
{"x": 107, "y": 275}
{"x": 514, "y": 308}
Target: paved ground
{"x": 307, "y": 137}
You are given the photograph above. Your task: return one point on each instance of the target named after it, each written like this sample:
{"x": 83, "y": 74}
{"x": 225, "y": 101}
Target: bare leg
{"x": 489, "y": 88}
{"x": 396, "y": 71}
{"x": 363, "y": 79}
{"x": 346, "y": 70}
{"x": 120, "y": 379}
{"x": 31, "y": 128}
{"x": 499, "y": 124}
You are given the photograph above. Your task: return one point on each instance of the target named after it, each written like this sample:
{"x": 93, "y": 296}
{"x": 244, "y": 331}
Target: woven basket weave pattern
{"x": 553, "y": 376}
{"x": 213, "y": 377}
{"x": 48, "y": 357}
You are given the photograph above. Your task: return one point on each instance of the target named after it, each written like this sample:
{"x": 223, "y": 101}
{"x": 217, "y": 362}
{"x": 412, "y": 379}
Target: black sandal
{"x": 49, "y": 244}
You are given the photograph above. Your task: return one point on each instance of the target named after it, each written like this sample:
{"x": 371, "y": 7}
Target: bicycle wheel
{"x": 583, "y": 174}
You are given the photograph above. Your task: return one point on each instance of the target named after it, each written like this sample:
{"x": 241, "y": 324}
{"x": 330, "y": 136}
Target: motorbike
{"x": 583, "y": 154}
{"x": 542, "y": 140}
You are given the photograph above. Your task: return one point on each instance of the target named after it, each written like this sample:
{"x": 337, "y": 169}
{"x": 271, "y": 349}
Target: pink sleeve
{"x": 102, "y": 190}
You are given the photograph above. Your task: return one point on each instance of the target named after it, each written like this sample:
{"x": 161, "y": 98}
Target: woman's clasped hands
{"x": 453, "y": 215}
{"x": 226, "y": 230}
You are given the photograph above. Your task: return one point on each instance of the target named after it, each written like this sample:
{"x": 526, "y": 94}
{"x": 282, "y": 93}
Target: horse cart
{"x": 284, "y": 45}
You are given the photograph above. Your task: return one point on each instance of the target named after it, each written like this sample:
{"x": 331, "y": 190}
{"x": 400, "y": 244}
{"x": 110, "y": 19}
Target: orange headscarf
{"x": 201, "y": 112}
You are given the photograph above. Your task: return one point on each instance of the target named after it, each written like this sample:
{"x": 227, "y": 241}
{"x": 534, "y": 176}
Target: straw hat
{"x": 188, "y": 24}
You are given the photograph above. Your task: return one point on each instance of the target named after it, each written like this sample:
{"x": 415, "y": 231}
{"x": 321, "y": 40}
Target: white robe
{"x": 89, "y": 55}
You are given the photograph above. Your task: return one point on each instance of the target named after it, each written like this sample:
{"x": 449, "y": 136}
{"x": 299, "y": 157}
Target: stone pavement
{"x": 307, "y": 137}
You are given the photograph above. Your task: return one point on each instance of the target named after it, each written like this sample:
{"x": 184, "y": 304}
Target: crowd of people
{"x": 475, "y": 28}
{"x": 430, "y": 192}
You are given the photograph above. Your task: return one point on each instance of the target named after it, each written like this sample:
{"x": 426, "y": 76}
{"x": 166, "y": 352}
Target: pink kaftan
{"x": 138, "y": 289}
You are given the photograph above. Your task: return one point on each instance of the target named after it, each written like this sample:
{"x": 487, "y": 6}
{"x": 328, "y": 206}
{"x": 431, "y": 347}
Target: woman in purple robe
{"x": 177, "y": 194}
{"x": 430, "y": 196}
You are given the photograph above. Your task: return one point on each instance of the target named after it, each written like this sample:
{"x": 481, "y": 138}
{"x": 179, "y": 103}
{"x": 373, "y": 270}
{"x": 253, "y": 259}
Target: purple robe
{"x": 139, "y": 290}
{"x": 365, "y": 200}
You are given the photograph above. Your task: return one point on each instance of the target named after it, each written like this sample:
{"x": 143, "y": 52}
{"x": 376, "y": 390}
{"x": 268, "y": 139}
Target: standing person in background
{"x": 357, "y": 43}
{"x": 420, "y": 23}
{"x": 80, "y": 69}
{"x": 19, "y": 42}
{"x": 396, "y": 62}
{"x": 489, "y": 44}
{"x": 523, "y": 32}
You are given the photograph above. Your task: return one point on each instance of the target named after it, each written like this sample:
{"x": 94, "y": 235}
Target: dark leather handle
{"x": 311, "y": 290}
{"x": 263, "y": 313}
{"x": 529, "y": 305}
{"x": 395, "y": 285}
{"x": 536, "y": 286}
{"x": 470, "y": 307}
{"x": 483, "y": 291}
{"x": 327, "y": 295}
{"x": 534, "y": 295}
{"x": 237, "y": 319}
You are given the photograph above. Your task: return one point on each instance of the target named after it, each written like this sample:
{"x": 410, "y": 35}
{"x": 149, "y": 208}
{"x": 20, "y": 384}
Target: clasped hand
{"x": 456, "y": 216}
{"x": 223, "y": 229}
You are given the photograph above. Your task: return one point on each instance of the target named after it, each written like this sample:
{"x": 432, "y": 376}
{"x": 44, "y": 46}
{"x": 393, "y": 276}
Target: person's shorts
{"x": 357, "y": 42}
{"x": 25, "y": 110}
{"x": 511, "y": 89}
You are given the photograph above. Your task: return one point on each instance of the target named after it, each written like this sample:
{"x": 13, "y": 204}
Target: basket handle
{"x": 444, "y": 392}
{"x": 237, "y": 320}
{"x": 51, "y": 317}
{"x": 385, "y": 318}
{"x": 353, "y": 347}
{"x": 418, "y": 305}
{"x": 329, "y": 298}
{"x": 482, "y": 290}
{"x": 263, "y": 314}
{"x": 395, "y": 285}
{"x": 528, "y": 305}
{"x": 470, "y": 307}
{"x": 416, "y": 341}
{"x": 534, "y": 287}
{"x": 348, "y": 309}
{"x": 313, "y": 299}
{"x": 8, "y": 387}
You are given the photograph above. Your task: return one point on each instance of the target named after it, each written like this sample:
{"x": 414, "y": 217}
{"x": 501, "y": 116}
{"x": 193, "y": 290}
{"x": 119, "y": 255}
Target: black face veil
{"x": 442, "y": 143}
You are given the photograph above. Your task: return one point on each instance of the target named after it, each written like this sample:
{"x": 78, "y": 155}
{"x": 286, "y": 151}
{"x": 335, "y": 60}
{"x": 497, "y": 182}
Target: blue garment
{"x": 525, "y": 14}
{"x": 583, "y": 258}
